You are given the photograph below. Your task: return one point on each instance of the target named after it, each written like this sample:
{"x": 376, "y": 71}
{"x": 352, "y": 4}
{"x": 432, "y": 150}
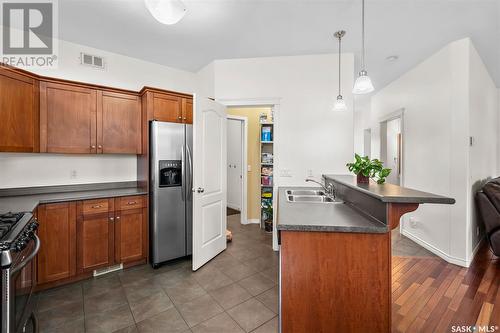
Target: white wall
{"x": 18, "y": 170}
{"x": 362, "y": 107}
{"x": 483, "y": 127}
{"x": 309, "y": 134}
{"x": 440, "y": 98}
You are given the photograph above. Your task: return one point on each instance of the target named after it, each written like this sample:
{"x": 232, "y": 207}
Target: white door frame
{"x": 400, "y": 113}
{"x": 274, "y": 103}
{"x": 244, "y": 166}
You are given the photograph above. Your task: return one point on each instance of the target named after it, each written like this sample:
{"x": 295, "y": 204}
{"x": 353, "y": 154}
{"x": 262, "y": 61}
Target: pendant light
{"x": 340, "y": 102}
{"x": 166, "y": 11}
{"x": 363, "y": 84}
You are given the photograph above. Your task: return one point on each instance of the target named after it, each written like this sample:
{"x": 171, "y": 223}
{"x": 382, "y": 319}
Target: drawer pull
{"x": 117, "y": 217}
{"x": 111, "y": 219}
{"x": 96, "y": 206}
{"x": 131, "y": 203}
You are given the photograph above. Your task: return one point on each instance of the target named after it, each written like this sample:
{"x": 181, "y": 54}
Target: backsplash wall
{"x": 23, "y": 170}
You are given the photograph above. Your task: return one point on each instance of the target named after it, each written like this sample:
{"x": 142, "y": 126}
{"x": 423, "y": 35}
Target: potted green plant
{"x": 364, "y": 169}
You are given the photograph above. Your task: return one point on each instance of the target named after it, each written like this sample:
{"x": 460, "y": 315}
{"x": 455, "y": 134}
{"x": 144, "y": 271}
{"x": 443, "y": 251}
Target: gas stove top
{"x": 7, "y": 221}
{"x": 16, "y": 230}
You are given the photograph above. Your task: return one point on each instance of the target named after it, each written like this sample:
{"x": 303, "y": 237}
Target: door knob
{"x": 200, "y": 190}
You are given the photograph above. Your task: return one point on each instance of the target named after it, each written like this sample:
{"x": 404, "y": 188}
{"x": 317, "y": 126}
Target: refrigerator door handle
{"x": 183, "y": 166}
{"x": 190, "y": 174}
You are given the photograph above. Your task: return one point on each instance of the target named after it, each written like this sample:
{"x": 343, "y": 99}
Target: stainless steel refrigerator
{"x": 171, "y": 206}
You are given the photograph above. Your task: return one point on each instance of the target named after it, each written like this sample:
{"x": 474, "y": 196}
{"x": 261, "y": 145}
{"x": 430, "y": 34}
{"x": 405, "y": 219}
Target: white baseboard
{"x": 253, "y": 221}
{"x": 436, "y": 251}
{"x": 233, "y": 207}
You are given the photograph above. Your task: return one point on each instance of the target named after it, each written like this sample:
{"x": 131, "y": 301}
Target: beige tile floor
{"x": 235, "y": 292}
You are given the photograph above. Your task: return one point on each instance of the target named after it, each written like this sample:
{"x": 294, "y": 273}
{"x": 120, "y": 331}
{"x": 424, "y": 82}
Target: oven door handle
{"x": 28, "y": 258}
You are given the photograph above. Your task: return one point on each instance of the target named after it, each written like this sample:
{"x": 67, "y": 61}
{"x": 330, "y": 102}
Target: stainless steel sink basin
{"x": 311, "y": 199}
{"x": 305, "y": 192}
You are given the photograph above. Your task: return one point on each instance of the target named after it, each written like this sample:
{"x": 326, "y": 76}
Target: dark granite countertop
{"x": 27, "y": 199}
{"x": 389, "y": 192}
{"x": 326, "y": 217}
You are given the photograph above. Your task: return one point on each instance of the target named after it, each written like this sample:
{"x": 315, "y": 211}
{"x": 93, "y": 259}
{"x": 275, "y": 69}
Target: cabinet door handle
{"x": 179, "y": 118}
{"x": 131, "y": 202}
{"x": 92, "y": 147}
{"x": 117, "y": 217}
{"x": 185, "y": 118}
{"x": 100, "y": 147}
{"x": 96, "y": 206}
{"x": 111, "y": 219}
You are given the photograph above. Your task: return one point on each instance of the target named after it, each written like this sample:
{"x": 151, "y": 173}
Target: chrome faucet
{"x": 329, "y": 189}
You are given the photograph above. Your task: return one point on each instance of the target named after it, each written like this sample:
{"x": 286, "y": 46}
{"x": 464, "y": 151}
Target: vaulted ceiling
{"x": 223, "y": 29}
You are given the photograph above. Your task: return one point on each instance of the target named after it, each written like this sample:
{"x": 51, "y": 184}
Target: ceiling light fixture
{"x": 166, "y": 11}
{"x": 340, "y": 102}
{"x": 363, "y": 84}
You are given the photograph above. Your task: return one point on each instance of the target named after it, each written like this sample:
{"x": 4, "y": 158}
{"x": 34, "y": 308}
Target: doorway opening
{"x": 391, "y": 146}
{"x": 250, "y": 165}
{"x": 367, "y": 142}
{"x": 237, "y": 136}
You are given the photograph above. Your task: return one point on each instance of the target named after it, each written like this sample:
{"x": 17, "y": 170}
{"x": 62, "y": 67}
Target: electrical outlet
{"x": 413, "y": 222}
{"x": 249, "y": 168}
{"x": 73, "y": 174}
{"x": 285, "y": 173}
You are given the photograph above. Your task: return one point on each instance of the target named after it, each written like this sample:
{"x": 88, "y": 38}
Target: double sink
{"x": 310, "y": 196}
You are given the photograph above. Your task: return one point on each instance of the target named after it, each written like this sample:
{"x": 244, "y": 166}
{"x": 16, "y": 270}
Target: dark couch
{"x": 488, "y": 203}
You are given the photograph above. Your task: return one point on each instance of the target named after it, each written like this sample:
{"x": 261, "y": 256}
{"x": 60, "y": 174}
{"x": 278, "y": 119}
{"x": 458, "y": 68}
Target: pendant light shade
{"x": 166, "y": 11}
{"x": 363, "y": 84}
{"x": 340, "y": 102}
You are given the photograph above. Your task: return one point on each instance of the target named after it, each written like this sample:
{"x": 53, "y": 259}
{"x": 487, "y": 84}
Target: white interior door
{"x": 234, "y": 163}
{"x": 209, "y": 180}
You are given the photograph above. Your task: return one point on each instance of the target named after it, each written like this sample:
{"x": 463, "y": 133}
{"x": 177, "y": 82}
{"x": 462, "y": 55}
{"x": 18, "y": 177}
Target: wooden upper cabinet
{"x": 19, "y": 125}
{"x": 67, "y": 118}
{"x": 57, "y": 231}
{"x": 118, "y": 123}
{"x": 187, "y": 110}
{"x": 167, "y": 108}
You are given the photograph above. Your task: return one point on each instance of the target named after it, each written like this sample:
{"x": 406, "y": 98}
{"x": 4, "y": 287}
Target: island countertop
{"x": 326, "y": 217}
{"x": 389, "y": 193}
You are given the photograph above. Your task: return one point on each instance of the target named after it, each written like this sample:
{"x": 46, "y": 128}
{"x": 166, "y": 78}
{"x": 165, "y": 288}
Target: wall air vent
{"x": 91, "y": 60}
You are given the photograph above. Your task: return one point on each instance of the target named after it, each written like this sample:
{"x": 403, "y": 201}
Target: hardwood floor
{"x": 431, "y": 295}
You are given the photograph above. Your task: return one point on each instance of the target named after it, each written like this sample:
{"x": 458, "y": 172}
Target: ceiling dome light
{"x": 340, "y": 104}
{"x": 363, "y": 84}
{"x": 166, "y": 11}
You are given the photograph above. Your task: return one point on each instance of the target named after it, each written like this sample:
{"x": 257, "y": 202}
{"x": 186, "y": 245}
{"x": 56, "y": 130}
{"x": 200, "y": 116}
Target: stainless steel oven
{"x": 18, "y": 281}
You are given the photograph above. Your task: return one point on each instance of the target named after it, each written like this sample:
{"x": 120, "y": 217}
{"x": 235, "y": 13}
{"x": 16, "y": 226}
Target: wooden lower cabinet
{"x": 95, "y": 240}
{"x": 57, "y": 231}
{"x": 81, "y": 236}
{"x": 130, "y": 235}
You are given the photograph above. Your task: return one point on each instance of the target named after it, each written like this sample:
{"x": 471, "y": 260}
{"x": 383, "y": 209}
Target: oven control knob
{"x": 21, "y": 245}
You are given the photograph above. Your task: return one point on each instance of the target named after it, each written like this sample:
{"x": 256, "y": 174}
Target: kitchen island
{"x": 335, "y": 257}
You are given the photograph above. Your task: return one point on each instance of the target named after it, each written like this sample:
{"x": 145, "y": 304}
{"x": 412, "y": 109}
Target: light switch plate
{"x": 249, "y": 168}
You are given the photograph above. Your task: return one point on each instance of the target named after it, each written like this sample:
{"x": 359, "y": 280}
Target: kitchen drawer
{"x": 96, "y": 206}
{"x": 132, "y": 202}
